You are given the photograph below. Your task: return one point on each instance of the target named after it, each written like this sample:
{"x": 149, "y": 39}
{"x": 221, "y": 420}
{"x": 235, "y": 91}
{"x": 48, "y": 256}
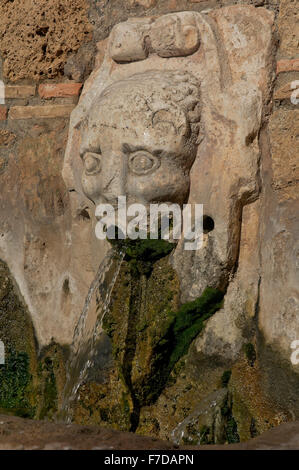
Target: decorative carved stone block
{"x": 173, "y": 115}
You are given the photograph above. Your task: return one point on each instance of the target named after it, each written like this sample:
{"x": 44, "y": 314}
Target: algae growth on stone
{"x": 148, "y": 333}
{"x": 28, "y": 379}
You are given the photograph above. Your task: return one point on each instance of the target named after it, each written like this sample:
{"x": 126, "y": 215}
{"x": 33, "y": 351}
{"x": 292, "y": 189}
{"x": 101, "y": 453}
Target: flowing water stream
{"x": 89, "y": 328}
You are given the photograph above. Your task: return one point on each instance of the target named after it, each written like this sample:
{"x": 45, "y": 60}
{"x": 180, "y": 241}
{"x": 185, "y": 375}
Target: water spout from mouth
{"x": 84, "y": 339}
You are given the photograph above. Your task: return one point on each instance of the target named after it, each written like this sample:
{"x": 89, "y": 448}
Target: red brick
{"x": 287, "y": 65}
{"x": 59, "y": 90}
{"x": 22, "y": 91}
{"x": 40, "y": 112}
{"x": 3, "y": 113}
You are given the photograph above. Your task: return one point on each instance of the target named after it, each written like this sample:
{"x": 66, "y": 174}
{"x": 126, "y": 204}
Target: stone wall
{"x": 46, "y": 232}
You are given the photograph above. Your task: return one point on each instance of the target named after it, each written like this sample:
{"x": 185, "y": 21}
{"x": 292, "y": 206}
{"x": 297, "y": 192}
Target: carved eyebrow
{"x": 127, "y": 148}
{"x": 85, "y": 150}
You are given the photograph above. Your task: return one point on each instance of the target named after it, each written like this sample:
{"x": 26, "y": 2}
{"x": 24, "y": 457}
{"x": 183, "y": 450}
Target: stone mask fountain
{"x": 171, "y": 115}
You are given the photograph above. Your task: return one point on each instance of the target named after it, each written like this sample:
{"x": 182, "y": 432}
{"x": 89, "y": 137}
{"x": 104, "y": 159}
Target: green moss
{"x": 232, "y": 435}
{"x": 194, "y": 437}
{"x": 15, "y": 379}
{"x": 18, "y": 392}
{"x": 205, "y": 435}
{"x": 30, "y": 385}
{"x": 51, "y": 379}
{"x": 250, "y": 353}
{"x": 50, "y": 396}
{"x": 174, "y": 340}
{"x": 142, "y": 254}
{"x": 150, "y": 332}
{"x": 253, "y": 429}
{"x": 138, "y": 316}
{"x": 149, "y": 338}
{"x": 231, "y": 428}
{"x": 226, "y": 378}
{"x": 188, "y": 322}
{"x": 104, "y": 404}
{"x": 184, "y": 326}
{"x": 125, "y": 404}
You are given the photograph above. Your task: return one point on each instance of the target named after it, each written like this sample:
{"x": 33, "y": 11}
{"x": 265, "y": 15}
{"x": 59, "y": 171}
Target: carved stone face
{"x": 140, "y": 140}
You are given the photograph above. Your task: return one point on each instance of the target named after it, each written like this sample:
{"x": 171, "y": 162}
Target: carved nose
{"x": 113, "y": 178}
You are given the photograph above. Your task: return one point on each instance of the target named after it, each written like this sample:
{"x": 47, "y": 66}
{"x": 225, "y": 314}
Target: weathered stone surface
{"x": 285, "y": 92}
{"x": 278, "y": 305}
{"x": 25, "y": 434}
{"x": 52, "y": 279}
{"x": 6, "y": 138}
{"x": 37, "y": 46}
{"x": 127, "y": 42}
{"x": 143, "y": 3}
{"x": 234, "y": 139}
{"x": 252, "y": 408}
{"x": 40, "y": 112}
{"x": 284, "y": 127}
{"x": 280, "y": 247}
{"x": 231, "y": 327}
{"x": 206, "y": 417}
{"x": 79, "y": 65}
{"x": 168, "y": 36}
{"x": 288, "y": 28}
{"x": 286, "y": 65}
{"x": 175, "y": 35}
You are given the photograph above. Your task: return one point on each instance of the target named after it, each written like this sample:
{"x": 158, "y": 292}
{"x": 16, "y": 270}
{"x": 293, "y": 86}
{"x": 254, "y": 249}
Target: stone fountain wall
{"x": 47, "y": 243}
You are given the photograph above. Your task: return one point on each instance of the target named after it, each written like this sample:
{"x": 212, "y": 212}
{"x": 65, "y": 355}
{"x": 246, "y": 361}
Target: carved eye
{"x": 92, "y": 163}
{"x": 143, "y": 162}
